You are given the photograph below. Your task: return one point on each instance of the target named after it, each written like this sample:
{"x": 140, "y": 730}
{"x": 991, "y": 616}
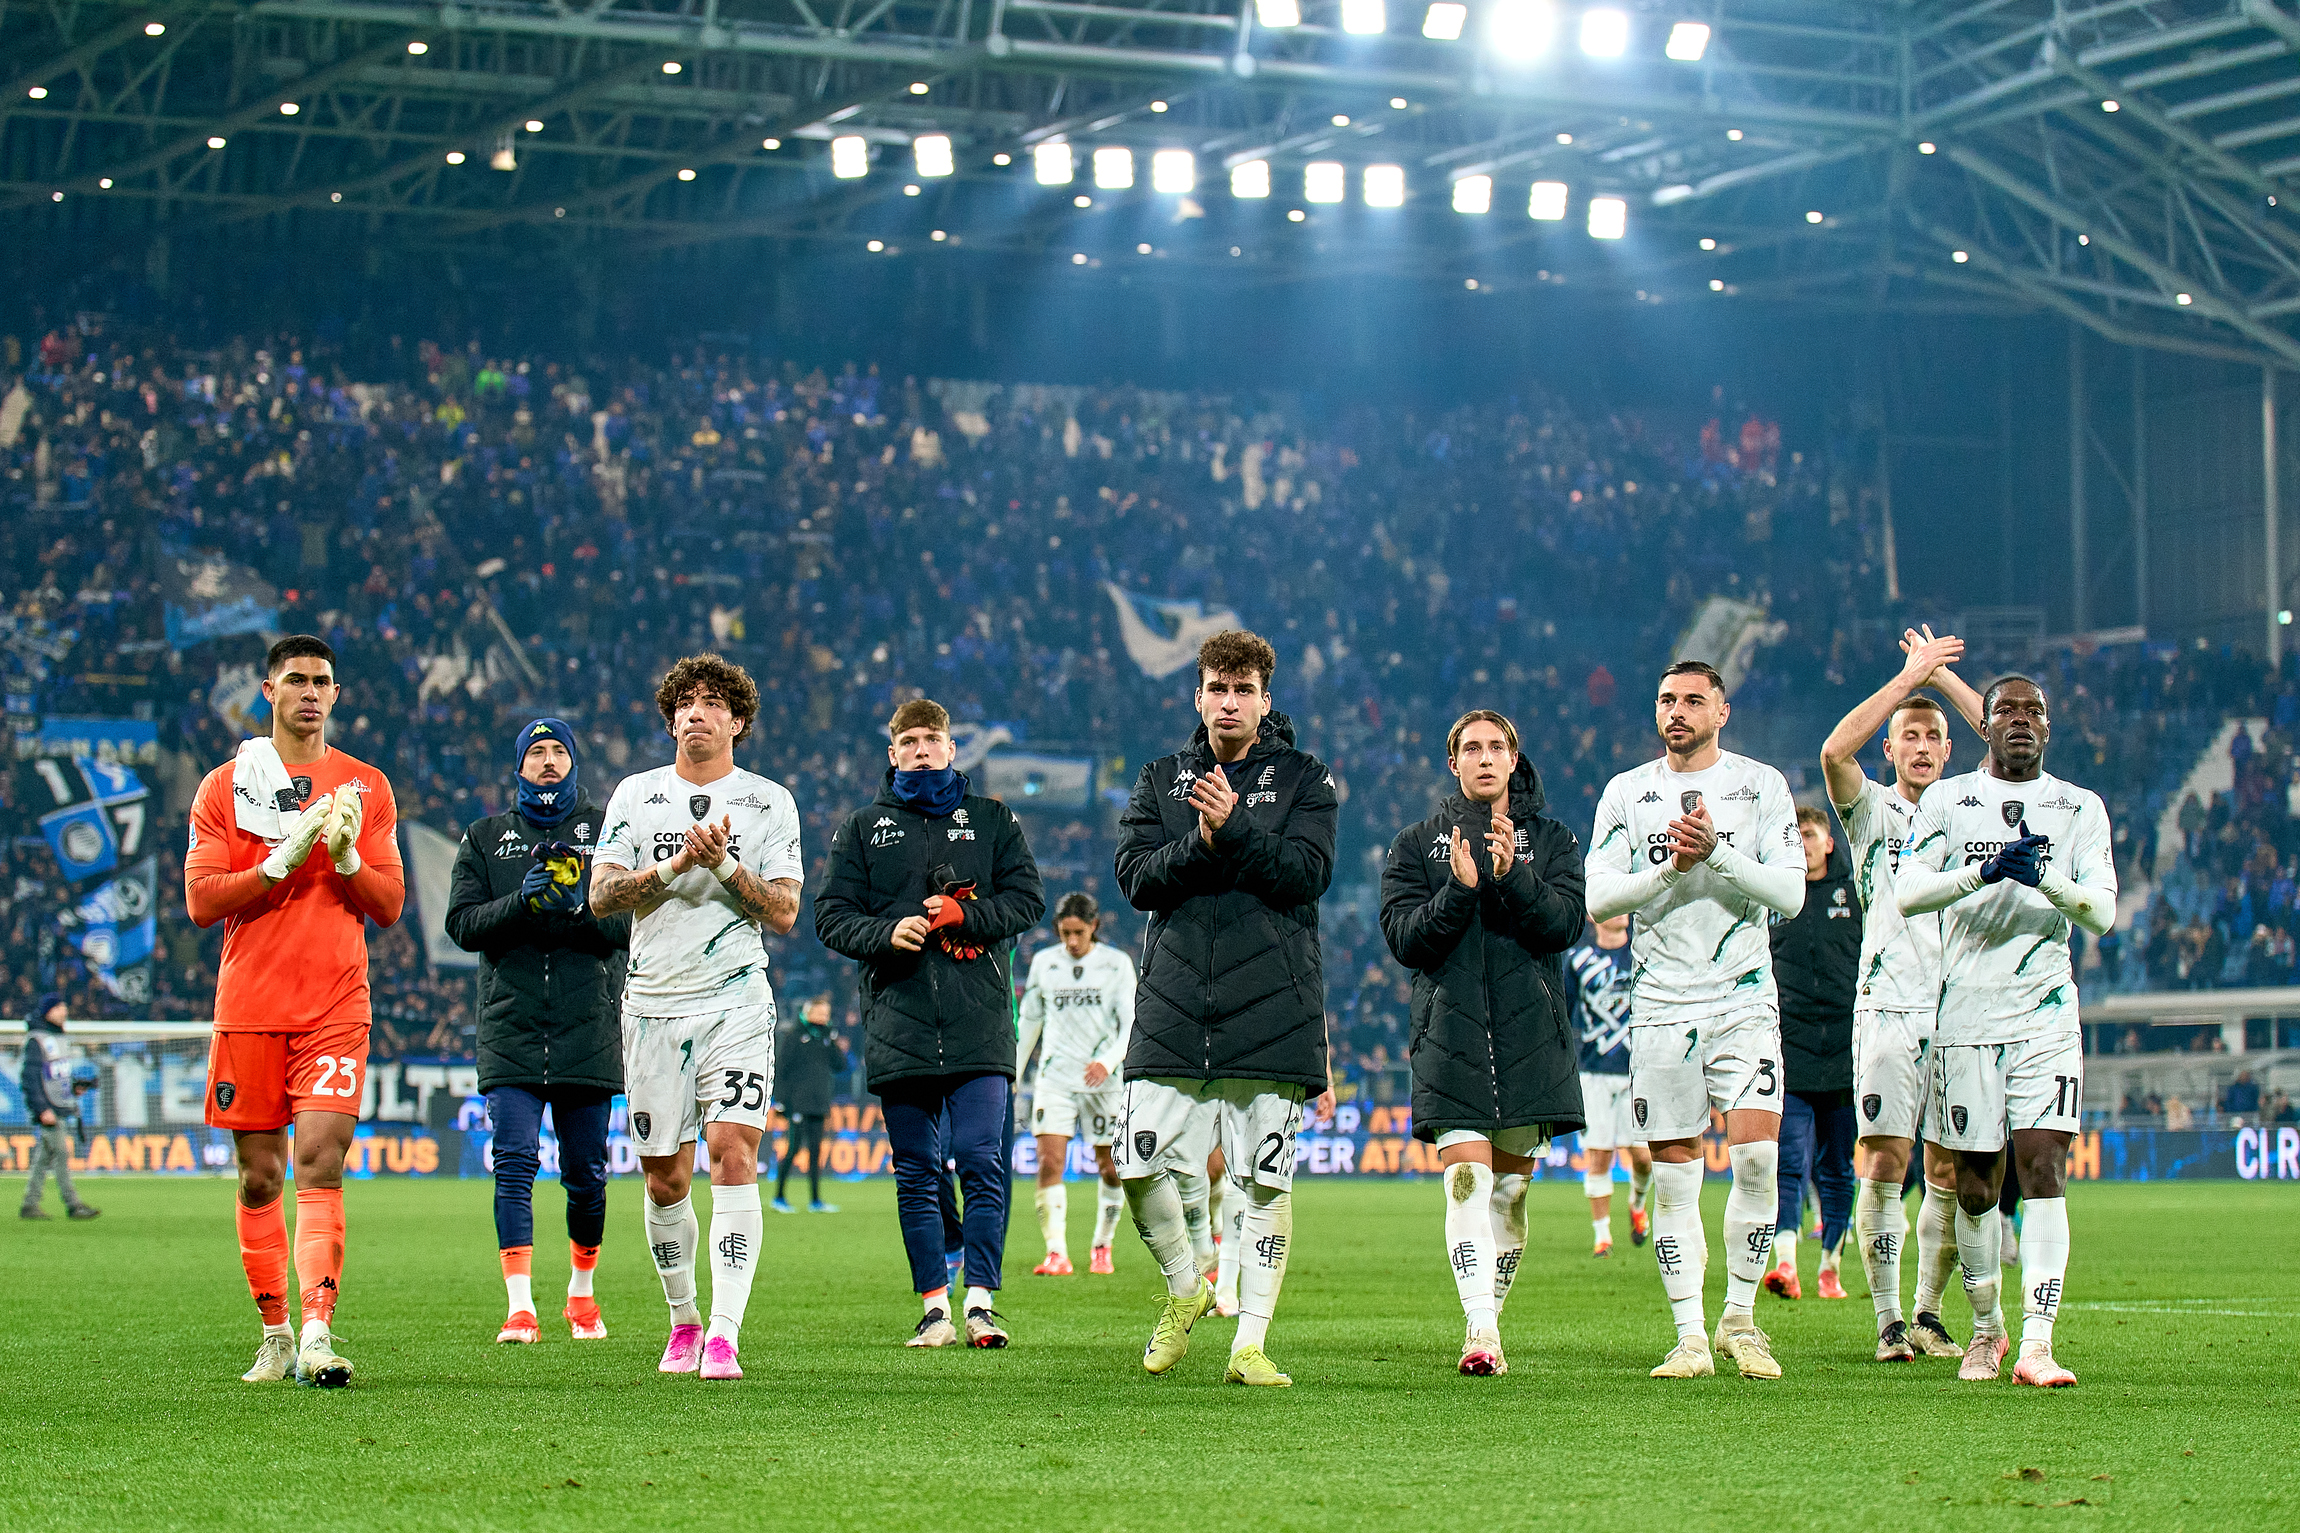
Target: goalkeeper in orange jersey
{"x": 293, "y": 849}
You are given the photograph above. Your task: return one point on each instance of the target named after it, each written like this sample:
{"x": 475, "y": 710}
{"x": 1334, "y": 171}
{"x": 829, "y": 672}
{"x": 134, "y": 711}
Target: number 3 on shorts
{"x": 333, "y": 1067}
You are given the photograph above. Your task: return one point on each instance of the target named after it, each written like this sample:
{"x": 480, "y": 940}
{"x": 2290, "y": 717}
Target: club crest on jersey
{"x": 2012, "y": 809}
{"x": 1078, "y": 971}
{"x": 1268, "y": 773}
{"x": 960, "y": 830}
{"x": 1689, "y": 800}
{"x": 1871, "y": 1105}
{"x": 582, "y": 832}
{"x": 698, "y": 804}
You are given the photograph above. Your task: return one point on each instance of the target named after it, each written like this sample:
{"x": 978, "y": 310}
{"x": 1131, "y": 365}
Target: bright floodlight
{"x": 1173, "y": 170}
{"x": 1322, "y": 181}
{"x": 1052, "y": 163}
{"x": 1521, "y": 29}
{"x": 933, "y": 154}
{"x": 1547, "y": 202}
{"x": 1608, "y": 218}
{"x": 1365, "y": 17}
{"x": 1114, "y": 167}
{"x": 1688, "y": 40}
{"x": 1385, "y": 186}
{"x": 1251, "y": 179}
{"x": 1604, "y": 33}
{"x": 1473, "y": 194}
{"x": 1445, "y": 21}
{"x": 850, "y": 156}
{"x": 1278, "y": 13}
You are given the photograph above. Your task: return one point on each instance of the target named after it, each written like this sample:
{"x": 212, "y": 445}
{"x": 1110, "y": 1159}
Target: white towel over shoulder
{"x": 263, "y": 796}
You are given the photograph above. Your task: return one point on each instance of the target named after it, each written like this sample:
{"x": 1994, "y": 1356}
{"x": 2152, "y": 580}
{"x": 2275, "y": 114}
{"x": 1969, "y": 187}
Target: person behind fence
{"x": 928, "y": 887}
{"x": 53, "y": 1109}
{"x": 809, "y": 1061}
{"x": 550, "y": 1013}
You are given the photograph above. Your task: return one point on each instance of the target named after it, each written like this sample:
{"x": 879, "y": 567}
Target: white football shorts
{"x": 1892, "y": 1073}
{"x": 1678, "y": 1071}
{"x": 1984, "y": 1091}
{"x": 1161, "y": 1127}
{"x": 680, "y": 1073}
{"x": 1066, "y": 1113}
{"x": 1605, "y": 1102}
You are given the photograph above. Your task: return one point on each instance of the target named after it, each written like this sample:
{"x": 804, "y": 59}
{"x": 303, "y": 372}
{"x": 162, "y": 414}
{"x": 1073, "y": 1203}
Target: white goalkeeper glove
{"x": 343, "y": 831}
{"x": 303, "y": 832}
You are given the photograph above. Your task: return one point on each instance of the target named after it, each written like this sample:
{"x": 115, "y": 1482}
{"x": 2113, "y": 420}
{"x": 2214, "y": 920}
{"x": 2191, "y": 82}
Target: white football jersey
{"x": 1900, "y": 955}
{"x": 1080, "y": 1010}
{"x": 2005, "y": 973}
{"x": 698, "y": 951}
{"x": 1701, "y": 946}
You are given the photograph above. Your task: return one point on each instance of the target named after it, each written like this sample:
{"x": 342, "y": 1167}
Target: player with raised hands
{"x": 2014, "y": 858}
{"x": 292, "y": 1010}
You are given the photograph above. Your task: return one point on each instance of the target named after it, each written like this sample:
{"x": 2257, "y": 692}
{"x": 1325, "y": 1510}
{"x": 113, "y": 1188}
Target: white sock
{"x": 519, "y": 1288}
{"x": 936, "y": 1299}
{"x": 1218, "y": 1205}
{"x": 579, "y": 1281}
{"x": 1639, "y": 1183}
{"x": 2043, "y": 1266}
{"x": 1680, "y": 1244}
{"x": 1785, "y": 1249}
{"x": 671, "y": 1239}
{"x": 1881, "y": 1224}
{"x": 736, "y": 1225}
{"x": 1936, "y": 1247}
{"x": 282, "y": 1329}
{"x": 1508, "y": 1234}
{"x": 1054, "y": 1218}
{"x": 311, "y": 1328}
{"x": 1157, "y": 1210}
{"x": 1978, "y": 1249}
{"x": 1109, "y": 1203}
{"x": 1750, "y": 1209}
{"x": 978, "y": 1298}
{"x": 1191, "y": 1187}
{"x": 1268, "y": 1230}
{"x": 1469, "y": 1243}
{"x": 1233, "y": 1248}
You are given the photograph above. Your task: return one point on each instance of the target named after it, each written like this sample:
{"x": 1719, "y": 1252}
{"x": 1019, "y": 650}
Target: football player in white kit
{"x": 2013, "y": 857}
{"x": 1700, "y": 845}
{"x": 706, "y": 855}
{"x": 1077, "y": 1008}
{"x": 1900, "y": 990}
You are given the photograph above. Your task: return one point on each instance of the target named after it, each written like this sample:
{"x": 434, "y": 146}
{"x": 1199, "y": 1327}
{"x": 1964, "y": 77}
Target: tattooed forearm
{"x": 615, "y": 890}
{"x": 773, "y": 904}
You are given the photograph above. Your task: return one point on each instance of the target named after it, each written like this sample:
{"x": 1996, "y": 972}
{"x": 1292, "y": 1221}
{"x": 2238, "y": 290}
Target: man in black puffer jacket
{"x": 1479, "y": 900}
{"x": 1228, "y": 845}
{"x": 550, "y": 1012}
{"x": 928, "y": 887}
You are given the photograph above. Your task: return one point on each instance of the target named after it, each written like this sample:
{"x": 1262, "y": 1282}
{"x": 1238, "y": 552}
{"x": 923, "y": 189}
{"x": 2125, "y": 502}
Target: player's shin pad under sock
{"x": 263, "y": 1236}
{"x": 671, "y": 1241}
{"x": 1157, "y": 1210}
{"x": 1508, "y": 1205}
{"x": 1750, "y": 1209}
{"x": 1196, "y": 1215}
{"x": 1680, "y": 1244}
{"x": 1054, "y": 1217}
{"x": 582, "y": 1261}
{"x": 1469, "y": 1242}
{"x": 1936, "y": 1247}
{"x": 1881, "y": 1224}
{"x": 1109, "y": 1203}
{"x": 319, "y": 1251}
{"x": 1980, "y": 1252}
{"x": 1267, "y": 1233}
{"x": 736, "y": 1226}
{"x": 2043, "y": 1266}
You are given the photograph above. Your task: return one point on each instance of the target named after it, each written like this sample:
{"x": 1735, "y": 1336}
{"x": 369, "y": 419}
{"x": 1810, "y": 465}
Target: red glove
{"x": 948, "y": 915}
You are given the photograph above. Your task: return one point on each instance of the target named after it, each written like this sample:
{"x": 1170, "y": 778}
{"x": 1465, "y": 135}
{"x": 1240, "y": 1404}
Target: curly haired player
{"x": 291, "y": 993}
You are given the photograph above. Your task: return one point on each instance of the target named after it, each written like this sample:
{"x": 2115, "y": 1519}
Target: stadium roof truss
{"x": 2129, "y": 163}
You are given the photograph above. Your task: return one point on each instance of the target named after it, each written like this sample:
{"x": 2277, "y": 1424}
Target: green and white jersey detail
{"x": 2005, "y": 973}
{"x": 1700, "y": 947}
{"x": 697, "y": 951}
{"x": 1080, "y": 1010}
{"x": 1900, "y": 955}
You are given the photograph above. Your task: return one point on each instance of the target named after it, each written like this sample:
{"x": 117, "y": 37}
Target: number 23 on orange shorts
{"x": 258, "y": 1082}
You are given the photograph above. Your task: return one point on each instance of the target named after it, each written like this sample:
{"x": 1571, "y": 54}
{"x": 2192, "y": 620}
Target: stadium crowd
{"x": 483, "y": 538}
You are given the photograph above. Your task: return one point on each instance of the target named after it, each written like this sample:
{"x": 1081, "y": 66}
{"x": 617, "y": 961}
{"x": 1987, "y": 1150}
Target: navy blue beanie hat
{"x": 547, "y": 805}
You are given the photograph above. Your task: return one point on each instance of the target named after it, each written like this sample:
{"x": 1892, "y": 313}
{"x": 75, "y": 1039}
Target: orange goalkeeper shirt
{"x": 295, "y": 956}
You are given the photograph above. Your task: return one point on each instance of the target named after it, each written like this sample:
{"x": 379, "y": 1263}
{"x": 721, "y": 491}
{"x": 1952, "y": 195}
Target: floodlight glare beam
{"x": 850, "y": 156}
{"x": 1053, "y": 164}
{"x": 1604, "y": 33}
{"x": 1521, "y": 30}
{"x": 933, "y": 154}
{"x": 1688, "y": 40}
{"x": 1114, "y": 167}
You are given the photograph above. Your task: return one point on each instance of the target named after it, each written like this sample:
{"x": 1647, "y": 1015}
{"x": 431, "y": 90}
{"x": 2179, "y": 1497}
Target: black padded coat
{"x": 1231, "y": 986}
{"x": 949, "y": 1008}
{"x": 1493, "y": 1046}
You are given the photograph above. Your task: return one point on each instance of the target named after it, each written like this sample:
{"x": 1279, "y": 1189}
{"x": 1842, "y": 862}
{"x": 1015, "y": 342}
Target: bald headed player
{"x": 293, "y": 849}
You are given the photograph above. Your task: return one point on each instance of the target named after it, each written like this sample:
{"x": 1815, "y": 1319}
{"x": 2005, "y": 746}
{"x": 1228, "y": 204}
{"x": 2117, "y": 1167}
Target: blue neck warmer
{"x": 933, "y": 794}
{"x": 547, "y": 805}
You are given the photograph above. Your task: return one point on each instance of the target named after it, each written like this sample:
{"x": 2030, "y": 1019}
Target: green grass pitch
{"x": 124, "y": 1339}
